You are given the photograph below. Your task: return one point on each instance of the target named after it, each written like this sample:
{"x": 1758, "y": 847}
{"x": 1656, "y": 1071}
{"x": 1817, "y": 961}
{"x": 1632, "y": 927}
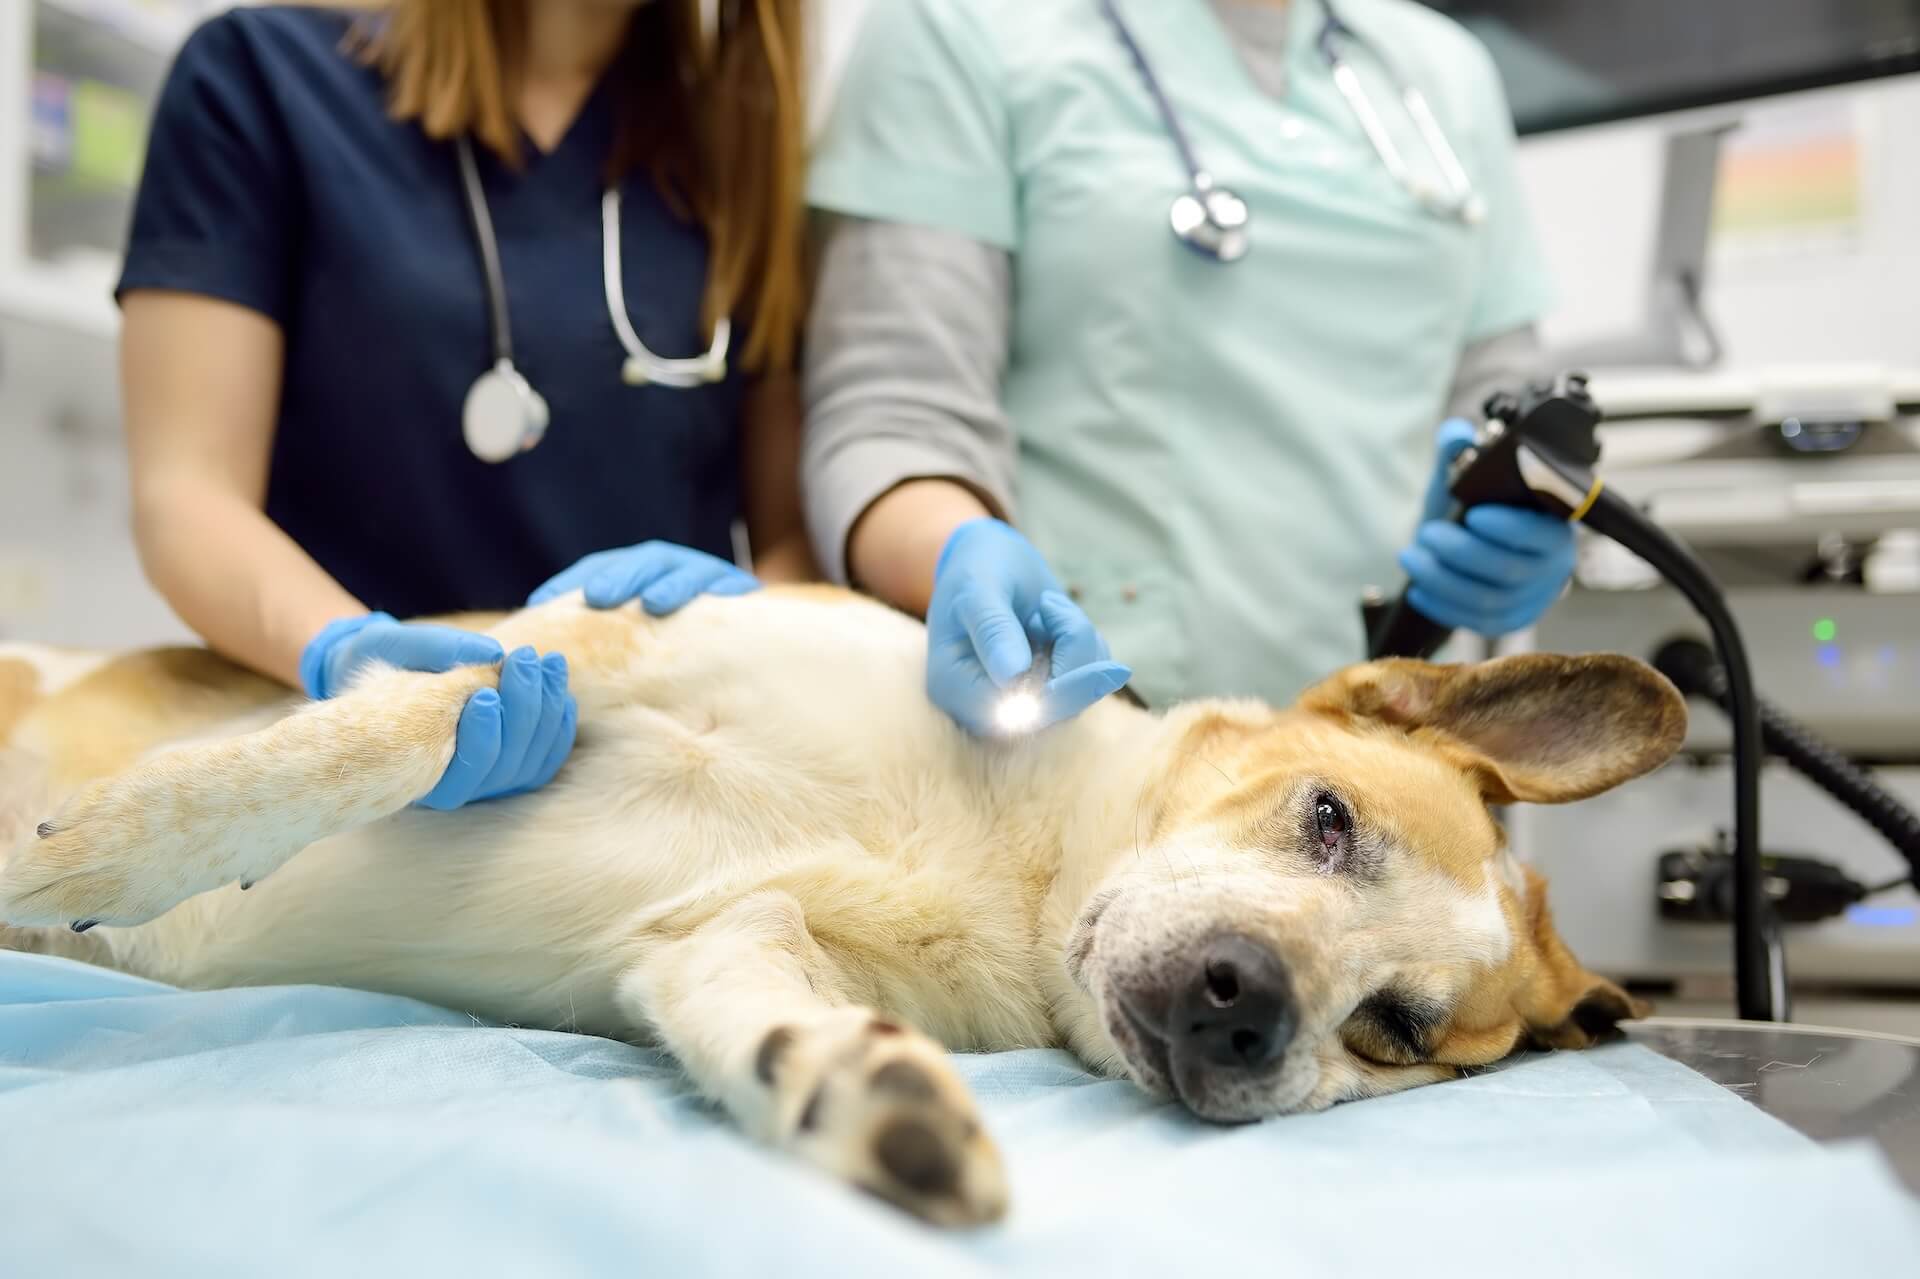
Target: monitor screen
{"x": 1576, "y": 62}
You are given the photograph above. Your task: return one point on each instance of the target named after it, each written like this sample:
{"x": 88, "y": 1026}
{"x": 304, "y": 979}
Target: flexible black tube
{"x": 1759, "y": 974}
{"x": 1404, "y": 631}
{"x": 1694, "y": 670}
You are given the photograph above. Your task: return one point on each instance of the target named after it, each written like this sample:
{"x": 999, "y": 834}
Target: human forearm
{"x": 201, "y": 383}
{"x": 905, "y": 353}
{"x": 232, "y": 575}
{"x": 776, "y": 524}
{"x": 788, "y": 560}
{"x": 896, "y": 543}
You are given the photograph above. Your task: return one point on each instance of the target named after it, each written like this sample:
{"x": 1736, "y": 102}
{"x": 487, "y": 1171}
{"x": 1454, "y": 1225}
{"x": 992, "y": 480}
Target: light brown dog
{"x": 769, "y": 854}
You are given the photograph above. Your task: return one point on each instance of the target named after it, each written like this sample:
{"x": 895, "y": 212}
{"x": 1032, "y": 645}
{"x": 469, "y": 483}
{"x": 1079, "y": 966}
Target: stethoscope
{"x": 503, "y": 415}
{"x": 1212, "y": 220}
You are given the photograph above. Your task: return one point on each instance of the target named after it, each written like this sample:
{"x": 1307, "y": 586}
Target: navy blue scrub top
{"x": 275, "y": 179}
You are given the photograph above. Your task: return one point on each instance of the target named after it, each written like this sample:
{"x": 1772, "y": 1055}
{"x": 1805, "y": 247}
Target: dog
{"x": 772, "y": 856}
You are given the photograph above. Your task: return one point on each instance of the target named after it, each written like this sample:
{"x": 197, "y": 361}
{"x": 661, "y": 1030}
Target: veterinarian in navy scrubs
{"x": 378, "y": 361}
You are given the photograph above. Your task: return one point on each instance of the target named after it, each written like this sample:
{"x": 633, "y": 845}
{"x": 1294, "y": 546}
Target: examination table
{"x": 294, "y": 1131}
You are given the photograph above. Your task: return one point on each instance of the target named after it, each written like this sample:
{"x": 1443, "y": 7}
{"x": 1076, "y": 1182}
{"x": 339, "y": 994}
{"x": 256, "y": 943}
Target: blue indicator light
{"x": 1882, "y": 916}
{"x": 1829, "y": 655}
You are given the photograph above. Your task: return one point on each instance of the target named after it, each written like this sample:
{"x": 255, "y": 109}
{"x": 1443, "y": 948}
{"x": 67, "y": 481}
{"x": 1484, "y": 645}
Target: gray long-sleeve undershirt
{"x": 908, "y": 341}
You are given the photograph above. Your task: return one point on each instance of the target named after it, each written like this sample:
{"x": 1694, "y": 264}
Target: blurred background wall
{"x": 77, "y": 78}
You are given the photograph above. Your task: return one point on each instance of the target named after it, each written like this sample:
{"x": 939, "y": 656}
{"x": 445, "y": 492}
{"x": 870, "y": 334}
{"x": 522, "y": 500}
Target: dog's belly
{"x": 742, "y": 743}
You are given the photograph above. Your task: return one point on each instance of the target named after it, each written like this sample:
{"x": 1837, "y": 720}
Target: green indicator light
{"x": 1824, "y": 630}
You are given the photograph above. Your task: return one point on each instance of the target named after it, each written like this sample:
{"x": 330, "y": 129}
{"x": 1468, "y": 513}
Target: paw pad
{"x": 766, "y": 1059}
{"x": 913, "y": 1155}
{"x": 810, "y": 1113}
{"x": 903, "y": 1080}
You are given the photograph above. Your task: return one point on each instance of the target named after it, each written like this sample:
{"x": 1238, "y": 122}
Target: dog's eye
{"x": 1331, "y": 821}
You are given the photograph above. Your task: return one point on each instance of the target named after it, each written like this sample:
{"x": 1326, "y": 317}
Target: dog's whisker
{"x": 1210, "y": 764}
{"x": 1139, "y": 810}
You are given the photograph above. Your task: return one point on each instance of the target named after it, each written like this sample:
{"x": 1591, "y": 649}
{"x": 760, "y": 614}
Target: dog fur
{"x": 771, "y": 855}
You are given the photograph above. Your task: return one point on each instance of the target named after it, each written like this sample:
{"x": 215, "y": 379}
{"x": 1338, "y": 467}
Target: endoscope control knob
{"x": 1501, "y": 406}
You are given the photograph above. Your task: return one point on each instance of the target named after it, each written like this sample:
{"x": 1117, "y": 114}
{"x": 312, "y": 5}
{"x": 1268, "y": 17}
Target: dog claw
{"x": 245, "y": 884}
{"x": 81, "y": 925}
{"x": 43, "y": 830}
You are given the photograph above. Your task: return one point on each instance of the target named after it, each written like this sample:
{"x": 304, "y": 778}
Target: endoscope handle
{"x": 1395, "y": 628}
{"x": 1552, "y": 473}
{"x": 1398, "y": 629}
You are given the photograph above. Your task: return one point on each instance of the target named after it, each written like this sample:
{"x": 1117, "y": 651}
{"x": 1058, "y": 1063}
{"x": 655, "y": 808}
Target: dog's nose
{"x": 1237, "y": 1010}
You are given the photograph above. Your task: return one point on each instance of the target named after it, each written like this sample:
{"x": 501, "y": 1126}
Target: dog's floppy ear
{"x": 1538, "y": 727}
{"x": 1561, "y": 1004}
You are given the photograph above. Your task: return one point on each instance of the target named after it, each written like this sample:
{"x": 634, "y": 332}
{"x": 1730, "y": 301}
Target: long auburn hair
{"x": 717, "y": 118}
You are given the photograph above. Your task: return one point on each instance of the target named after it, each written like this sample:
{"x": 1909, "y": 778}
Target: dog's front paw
{"x": 880, "y": 1106}
{"x": 95, "y": 862}
{"x": 130, "y": 848}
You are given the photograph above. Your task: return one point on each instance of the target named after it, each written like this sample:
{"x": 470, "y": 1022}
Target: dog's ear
{"x": 1561, "y": 1004}
{"x": 1538, "y": 727}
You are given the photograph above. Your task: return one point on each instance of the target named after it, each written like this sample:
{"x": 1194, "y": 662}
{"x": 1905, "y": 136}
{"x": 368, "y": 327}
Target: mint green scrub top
{"x": 1216, "y": 458}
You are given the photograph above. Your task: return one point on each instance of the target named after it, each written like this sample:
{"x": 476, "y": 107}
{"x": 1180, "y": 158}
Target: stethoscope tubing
{"x": 1461, "y": 202}
{"x": 1169, "y": 118}
{"x": 482, "y": 220}
{"x": 641, "y": 365}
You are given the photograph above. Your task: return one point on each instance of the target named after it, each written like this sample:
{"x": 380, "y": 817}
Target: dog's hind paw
{"x": 880, "y": 1106}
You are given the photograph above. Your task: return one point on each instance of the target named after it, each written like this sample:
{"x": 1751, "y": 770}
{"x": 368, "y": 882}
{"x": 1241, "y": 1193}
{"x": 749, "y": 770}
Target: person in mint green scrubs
{"x": 1038, "y": 417}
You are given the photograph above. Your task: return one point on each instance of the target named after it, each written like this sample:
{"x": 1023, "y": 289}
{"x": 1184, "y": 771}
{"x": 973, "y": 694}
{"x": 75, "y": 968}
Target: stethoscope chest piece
{"x": 503, "y": 415}
{"x": 1212, "y": 221}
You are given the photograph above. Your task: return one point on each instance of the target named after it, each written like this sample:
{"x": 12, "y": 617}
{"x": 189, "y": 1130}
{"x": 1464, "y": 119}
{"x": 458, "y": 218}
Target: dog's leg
{"x": 126, "y": 849}
{"x": 767, "y": 1021}
{"x": 204, "y": 814}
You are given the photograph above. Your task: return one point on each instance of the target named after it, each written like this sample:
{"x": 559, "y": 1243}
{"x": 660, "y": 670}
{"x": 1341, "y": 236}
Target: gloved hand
{"x": 1499, "y": 571}
{"x": 665, "y": 577}
{"x": 508, "y": 741}
{"x": 993, "y": 599}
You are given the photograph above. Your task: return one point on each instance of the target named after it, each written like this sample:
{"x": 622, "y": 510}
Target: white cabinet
{"x": 77, "y": 82}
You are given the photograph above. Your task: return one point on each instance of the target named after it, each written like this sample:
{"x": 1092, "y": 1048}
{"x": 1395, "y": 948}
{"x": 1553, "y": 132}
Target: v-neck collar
{"x": 1189, "y": 31}
{"x": 593, "y": 117}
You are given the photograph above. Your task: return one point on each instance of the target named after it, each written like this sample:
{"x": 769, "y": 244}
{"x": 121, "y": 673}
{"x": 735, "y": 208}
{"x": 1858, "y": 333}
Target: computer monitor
{"x": 1567, "y": 63}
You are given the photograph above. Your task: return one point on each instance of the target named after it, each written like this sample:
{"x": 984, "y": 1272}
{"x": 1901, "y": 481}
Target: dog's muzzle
{"x": 1212, "y": 1026}
{"x": 1199, "y": 998}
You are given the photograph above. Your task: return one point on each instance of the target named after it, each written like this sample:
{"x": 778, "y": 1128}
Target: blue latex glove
{"x": 663, "y": 575}
{"x": 508, "y": 741}
{"x": 993, "y": 599}
{"x": 1499, "y": 571}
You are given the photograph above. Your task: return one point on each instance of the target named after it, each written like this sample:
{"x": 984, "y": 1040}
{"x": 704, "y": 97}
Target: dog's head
{"x": 1321, "y": 905}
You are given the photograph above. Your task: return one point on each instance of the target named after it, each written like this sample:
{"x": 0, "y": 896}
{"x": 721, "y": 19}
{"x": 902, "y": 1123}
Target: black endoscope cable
{"x": 1759, "y": 964}
{"x": 1694, "y": 670}
{"x": 1540, "y": 450}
